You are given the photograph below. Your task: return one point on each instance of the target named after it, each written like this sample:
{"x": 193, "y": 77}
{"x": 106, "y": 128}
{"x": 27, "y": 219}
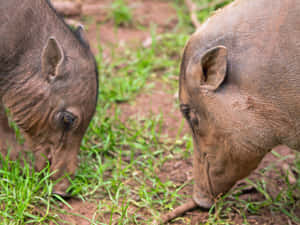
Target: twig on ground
{"x": 179, "y": 211}
{"x": 193, "y": 9}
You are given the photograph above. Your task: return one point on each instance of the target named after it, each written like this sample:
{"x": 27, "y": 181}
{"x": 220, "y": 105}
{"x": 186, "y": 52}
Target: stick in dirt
{"x": 180, "y": 210}
{"x": 192, "y": 9}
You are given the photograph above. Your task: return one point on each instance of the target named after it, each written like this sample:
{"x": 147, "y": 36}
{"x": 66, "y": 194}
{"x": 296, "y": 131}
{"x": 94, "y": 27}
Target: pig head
{"x": 239, "y": 88}
{"x": 53, "y": 109}
{"x": 48, "y": 81}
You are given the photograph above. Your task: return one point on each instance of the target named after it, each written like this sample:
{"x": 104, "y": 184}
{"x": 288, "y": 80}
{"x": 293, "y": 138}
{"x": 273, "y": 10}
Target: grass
{"x": 120, "y": 162}
{"x": 121, "y": 13}
{"x": 25, "y": 194}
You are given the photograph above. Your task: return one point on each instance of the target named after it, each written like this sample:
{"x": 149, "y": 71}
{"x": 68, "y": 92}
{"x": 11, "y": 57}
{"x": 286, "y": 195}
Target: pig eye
{"x": 66, "y": 120}
{"x": 185, "y": 109}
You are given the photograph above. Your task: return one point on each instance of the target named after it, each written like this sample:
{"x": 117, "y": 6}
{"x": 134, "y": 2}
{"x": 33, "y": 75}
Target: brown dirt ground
{"x": 159, "y": 101}
{"x": 145, "y": 13}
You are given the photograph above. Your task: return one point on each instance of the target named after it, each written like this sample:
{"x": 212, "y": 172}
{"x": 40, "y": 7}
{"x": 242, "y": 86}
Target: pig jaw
{"x": 216, "y": 171}
{"x": 201, "y": 191}
{"x": 64, "y": 165}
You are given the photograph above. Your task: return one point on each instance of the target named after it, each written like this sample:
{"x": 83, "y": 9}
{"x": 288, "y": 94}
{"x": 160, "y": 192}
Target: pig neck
{"x": 24, "y": 89}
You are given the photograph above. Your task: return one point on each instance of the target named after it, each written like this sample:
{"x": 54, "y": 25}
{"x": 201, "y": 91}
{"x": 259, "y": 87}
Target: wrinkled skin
{"x": 240, "y": 91}
{"x": 48, "y": 81}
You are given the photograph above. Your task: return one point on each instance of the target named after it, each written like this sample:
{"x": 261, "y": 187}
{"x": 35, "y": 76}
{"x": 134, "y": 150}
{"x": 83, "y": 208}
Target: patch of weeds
{"x": 170, "y": 51}
{"x": 126, "y": 75}
{"x": 123, "y": 142}
{"x": 25, "y": 195}
{"x": 121, "y": 13}
{"x": 125, "y": 175}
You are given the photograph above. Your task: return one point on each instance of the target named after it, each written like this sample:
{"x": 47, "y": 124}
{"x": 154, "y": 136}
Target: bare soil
{"x": 160, "y": 101}
{"x": 157, "y": 102}
{"x": 146, "y": 13}
{"x": 85, "y": 209}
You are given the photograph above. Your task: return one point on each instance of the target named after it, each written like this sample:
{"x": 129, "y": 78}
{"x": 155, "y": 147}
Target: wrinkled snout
{"x": 215, "y": 172}
{"x": 63, "y": 164}
{"x": 61, "y": 187}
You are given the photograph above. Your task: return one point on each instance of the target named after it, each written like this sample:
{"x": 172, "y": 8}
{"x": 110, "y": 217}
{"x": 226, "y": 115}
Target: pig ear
{"x": 81, "y": 35}
{"x": 214, "y": 65}
{"x": 210, "y": 72}
{"x": 52, "y": 58}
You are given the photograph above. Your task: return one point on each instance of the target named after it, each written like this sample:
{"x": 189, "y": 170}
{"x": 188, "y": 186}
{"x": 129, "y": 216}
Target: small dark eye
{"x": 185, "y": 109}
{"x": 67, "y": 120}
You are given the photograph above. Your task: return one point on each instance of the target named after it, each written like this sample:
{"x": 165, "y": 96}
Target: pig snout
{"x": 216, "y": 173}
{"x": 61, "y": 187}
{"x": 63, "y": 166}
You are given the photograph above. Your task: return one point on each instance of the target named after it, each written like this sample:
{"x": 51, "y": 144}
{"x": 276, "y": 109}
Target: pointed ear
{"x": 209, "y": 71}
{"x": 81, "y": 35}
{"x": 52, "y": 58}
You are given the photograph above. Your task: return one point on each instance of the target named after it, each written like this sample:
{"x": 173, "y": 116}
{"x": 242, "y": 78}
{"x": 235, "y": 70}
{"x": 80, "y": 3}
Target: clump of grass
{"x": 25, "y": 195}
{"x": 121, "y": 13}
